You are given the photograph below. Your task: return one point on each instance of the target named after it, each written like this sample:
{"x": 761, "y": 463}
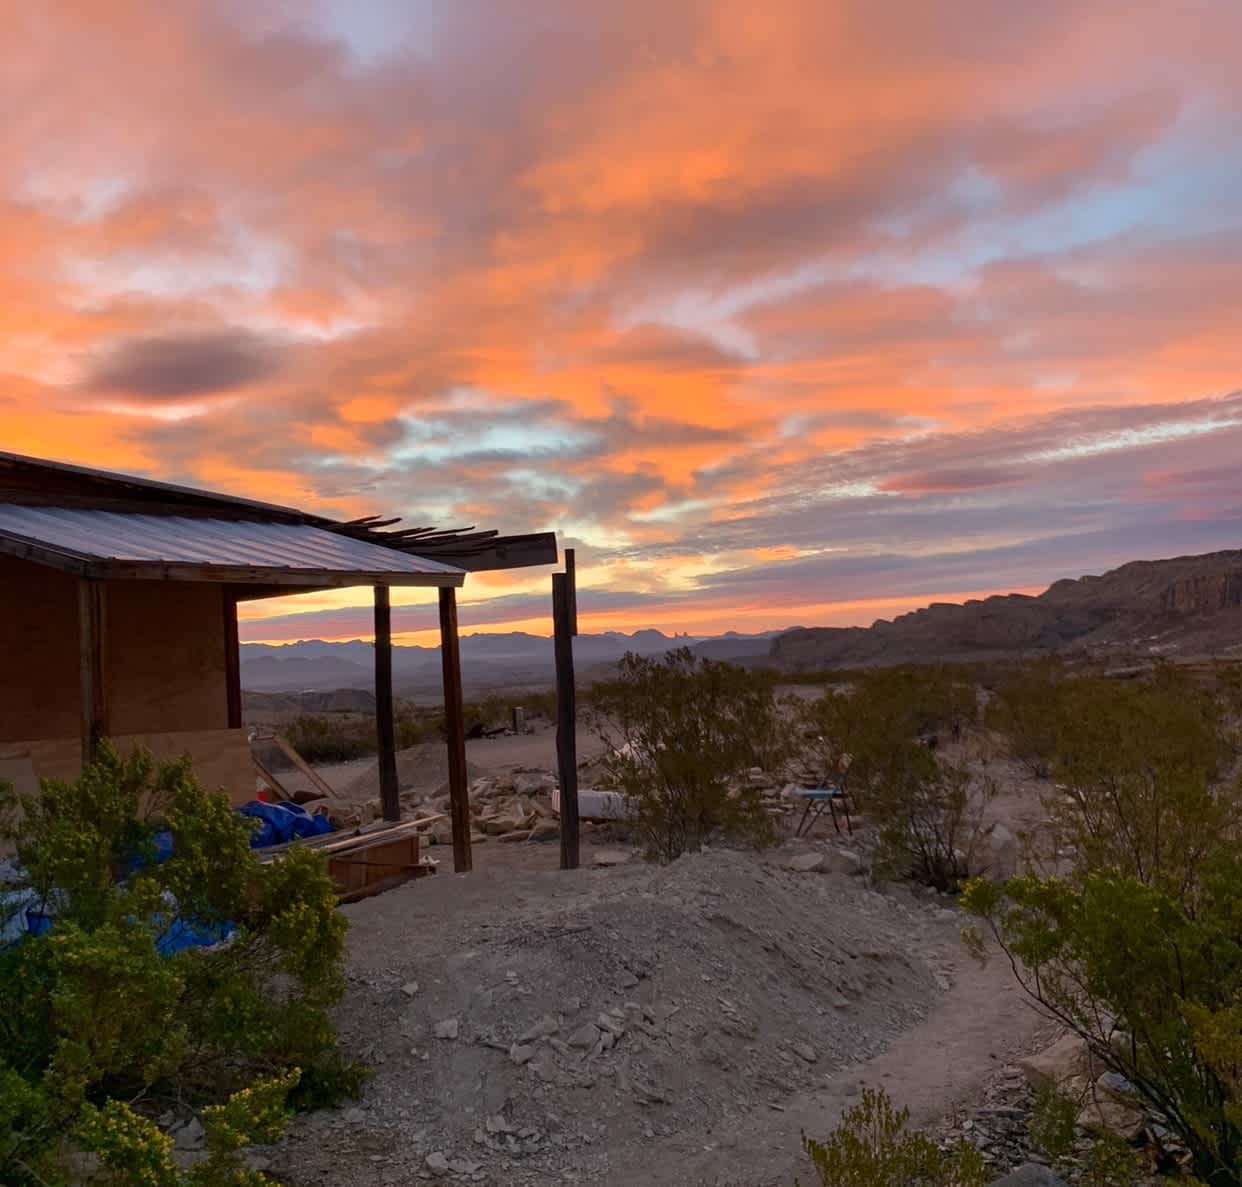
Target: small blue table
{"x": 816, "y": 800}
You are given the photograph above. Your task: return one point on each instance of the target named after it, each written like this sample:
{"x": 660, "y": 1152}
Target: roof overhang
{"x": 110, "y": 546}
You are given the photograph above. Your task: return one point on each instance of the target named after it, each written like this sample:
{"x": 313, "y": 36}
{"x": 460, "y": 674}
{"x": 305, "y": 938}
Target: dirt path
{"x": 983, "y": 1023}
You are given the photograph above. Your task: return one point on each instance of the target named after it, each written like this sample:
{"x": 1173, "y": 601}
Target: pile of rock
{"x": 515, "y": 806}
{"x": 1000, "y": 1124}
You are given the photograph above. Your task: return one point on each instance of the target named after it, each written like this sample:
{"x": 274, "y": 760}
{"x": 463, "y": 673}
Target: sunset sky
{"x": 792, "y": 312}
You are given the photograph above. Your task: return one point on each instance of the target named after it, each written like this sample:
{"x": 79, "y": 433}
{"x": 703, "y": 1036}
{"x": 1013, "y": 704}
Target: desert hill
{"x": 1188, "y": 606}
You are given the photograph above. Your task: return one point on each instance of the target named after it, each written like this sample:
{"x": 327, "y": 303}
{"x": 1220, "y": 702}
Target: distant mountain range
{"x": 1188, "y": 606}
{"x": 488, "y": 661}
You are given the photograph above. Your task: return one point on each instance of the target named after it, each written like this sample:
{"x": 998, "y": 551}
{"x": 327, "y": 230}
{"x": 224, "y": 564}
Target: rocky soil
{"x": 533, "y": 1026}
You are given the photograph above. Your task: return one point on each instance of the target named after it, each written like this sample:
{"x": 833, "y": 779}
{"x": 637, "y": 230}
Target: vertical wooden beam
{"x": 566, "y": 719}
{"x": 571, "y": 572}
{"x": 455, "y": 728}
{"x": 232, "y": 659}
{"x": 385, "y": 730}
{"x": 91, "y": 666}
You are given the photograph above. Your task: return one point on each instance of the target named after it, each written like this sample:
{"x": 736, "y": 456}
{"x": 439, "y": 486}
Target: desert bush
{"x": 873, "y": 1148}
{"x": 323, "y": 739}
{"x": 1025, "y": 708}
{"x": 929, "y": 818}
{"x": 681, "y": 734}
{"x": 100, "y": 1030}
{"x": 870, "y": 739}
{"x": 1149, "y": 978}
{"x": 1138, "y": 769}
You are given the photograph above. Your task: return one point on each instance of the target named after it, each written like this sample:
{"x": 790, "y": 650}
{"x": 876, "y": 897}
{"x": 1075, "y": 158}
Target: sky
{"x": 803, "y": 312}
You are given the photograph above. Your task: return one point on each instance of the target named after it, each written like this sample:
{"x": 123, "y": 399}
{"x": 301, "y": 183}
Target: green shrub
{"x": 1137, "y": 768}
{"x": 1025, "y": 708}
{"x": 1152, "y": 982}
{"x": 870, "y": 739}
{"x": 327, "y": 739}
{"x": 682, "y": 733}
{"x": 99, "y": 1031}
{"x": 873, "y": 1148}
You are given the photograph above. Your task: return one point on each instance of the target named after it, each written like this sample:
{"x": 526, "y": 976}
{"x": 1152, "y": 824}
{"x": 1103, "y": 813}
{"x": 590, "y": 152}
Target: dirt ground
{"x": 629, "y": 1024}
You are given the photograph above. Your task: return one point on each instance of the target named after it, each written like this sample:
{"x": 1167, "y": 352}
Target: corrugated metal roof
{"x": 186, "y": 540}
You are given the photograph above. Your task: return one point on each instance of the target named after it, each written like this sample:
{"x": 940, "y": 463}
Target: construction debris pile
{"x": 525, "y": 1022}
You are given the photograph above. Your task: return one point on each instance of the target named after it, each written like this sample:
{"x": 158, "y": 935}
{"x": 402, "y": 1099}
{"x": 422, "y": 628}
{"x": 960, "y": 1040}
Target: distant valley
{"x": 1185, "y": 607}
{"x": 489, "y": 662}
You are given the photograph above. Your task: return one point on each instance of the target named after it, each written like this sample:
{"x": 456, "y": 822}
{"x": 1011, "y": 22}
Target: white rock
{"x": 437, "y": 1163}
{"x": 354, "y": 1116}
{"x": 805, "y": 1052}
{"x": 805, "y": 863}
{"x": 410, "y": 988}
{"x": 448, "y": 1029}
{"x": 521, "y": 1053}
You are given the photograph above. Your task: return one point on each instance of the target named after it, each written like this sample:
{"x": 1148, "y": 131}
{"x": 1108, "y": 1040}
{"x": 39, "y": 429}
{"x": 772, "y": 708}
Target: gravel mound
{"x": 527, "y": 1026}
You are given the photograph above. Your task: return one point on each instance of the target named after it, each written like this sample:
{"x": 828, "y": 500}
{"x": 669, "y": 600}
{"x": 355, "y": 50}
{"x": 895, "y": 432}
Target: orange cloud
{"x": 704, "y": 286}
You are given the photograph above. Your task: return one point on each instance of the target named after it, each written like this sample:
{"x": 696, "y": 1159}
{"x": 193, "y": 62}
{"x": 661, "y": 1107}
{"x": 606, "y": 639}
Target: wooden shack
{"x": 118, "y": 616}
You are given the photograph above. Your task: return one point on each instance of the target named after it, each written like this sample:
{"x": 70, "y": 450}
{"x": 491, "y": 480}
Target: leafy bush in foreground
{"x": 873, "y": 1148}
{"x": 99, "y": 1031}
{"x": 681, "y": 734}
{"x": 1152, "y": 982}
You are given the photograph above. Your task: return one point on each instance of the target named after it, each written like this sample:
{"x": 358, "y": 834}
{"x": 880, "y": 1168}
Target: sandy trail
{"x": 983, "y": 1023}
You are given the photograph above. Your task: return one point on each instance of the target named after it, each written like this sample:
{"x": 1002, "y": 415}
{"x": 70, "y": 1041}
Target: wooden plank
{"x": 232, "y": 660}
{"x": 506, "y": 552}
{"x": 390, "y": 793}
{"x": 317, "y": 782}
{"x": 455, "y": 727}
{"x": 90, "y": 665}
{"x": 566, "y": 721}
{"x": 275, "y": 784}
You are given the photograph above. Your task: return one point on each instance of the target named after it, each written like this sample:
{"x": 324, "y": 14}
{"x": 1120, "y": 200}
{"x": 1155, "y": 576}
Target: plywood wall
{"x": 221, "y": 758}
{"x": 38, "y": 652}
{"x": 164, "y": 658}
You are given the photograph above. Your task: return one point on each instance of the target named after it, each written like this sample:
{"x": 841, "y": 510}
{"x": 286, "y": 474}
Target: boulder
{"x": 507, "y": 818}
{"x": 533, "y": 783}
{"x": 1067, "y": 1059}
{"x": 611, "y": 857}
{"x": 806, "y": 863}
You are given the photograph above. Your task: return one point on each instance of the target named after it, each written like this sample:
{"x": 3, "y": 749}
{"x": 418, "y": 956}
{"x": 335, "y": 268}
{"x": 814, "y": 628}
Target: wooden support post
{"x": 571, "y": 571}
{"x": 390, "y": 795}
{"x": 455, "y": 727}
{"x": 566, "y": 718}
{"x": 90, "y": 666}
{"x": 232, "y": 660}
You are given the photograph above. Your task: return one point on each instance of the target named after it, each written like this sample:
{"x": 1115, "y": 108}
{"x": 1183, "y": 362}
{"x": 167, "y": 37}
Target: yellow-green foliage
{"x": 91, "y": 1015}
{"x": 870, "y": 738}
{"x": 873, "y": 1148}
{"x": 681, "y": 733}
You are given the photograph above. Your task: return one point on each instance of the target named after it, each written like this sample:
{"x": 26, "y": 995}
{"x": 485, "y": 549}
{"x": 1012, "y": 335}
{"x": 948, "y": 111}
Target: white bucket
{"x": 596, "y": 805}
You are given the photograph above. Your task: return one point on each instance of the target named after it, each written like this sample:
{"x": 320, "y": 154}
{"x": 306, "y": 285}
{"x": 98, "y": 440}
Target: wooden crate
{"x": 376, "y": 864}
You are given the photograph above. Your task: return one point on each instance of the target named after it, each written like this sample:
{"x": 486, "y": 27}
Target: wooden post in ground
{"x": 91, "y": 667}
{"x": 390, "y": 793}
{"x": 571, "y": 571}
{"x": 232, "y": 660}
{"x": 455, "y": 728}
{"x": 566, "y": 717}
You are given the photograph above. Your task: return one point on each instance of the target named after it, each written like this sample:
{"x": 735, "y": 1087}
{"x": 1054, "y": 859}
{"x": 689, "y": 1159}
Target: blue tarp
{"x": 283, "y": 822}
{"x": 278, "y": 824}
